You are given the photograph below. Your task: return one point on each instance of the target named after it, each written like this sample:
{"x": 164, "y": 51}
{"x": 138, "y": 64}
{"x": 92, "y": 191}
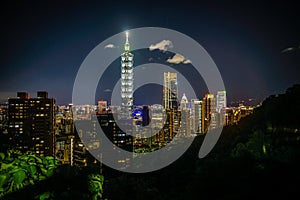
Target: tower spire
{"x": 127, "y": 35}
{"x": 127, "y": 45}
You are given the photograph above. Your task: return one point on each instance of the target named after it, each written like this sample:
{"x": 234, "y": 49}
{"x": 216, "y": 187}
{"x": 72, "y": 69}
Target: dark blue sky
{"x": 43, "y": 45}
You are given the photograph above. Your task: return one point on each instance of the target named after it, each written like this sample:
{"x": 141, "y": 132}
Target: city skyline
{"x": 255, "y": 57}
{"x": 149, "y": 100}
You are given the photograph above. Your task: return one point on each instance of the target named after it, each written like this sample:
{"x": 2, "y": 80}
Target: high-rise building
{"x": 64, "y": 134}
{"x": 208, "y": 113}
{"x": 157, "y": 123}
{"x": 196, "y": 116}
{"x": 126, "y": 81}
{"x": 185, "y": 127}
{"x": 170, "y": 104}
{"x": 31, "y": 123}
{"x": 221, "y": 100}
{"x": 221, "y": 108}
{"x": 117, "y": 136}
{"x": 170, "y": 93}
{"x": 102, "y": 107}
{"x": 3, "y": 118}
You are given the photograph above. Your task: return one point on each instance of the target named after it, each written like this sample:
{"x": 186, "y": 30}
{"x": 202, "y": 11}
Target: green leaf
{"x": 2, "y": 156}
{"x": 5, "y": 166}
{"x": 42, "y": 178}
{"x": 19, "y": 177}
{"x": 44, "y": 171}
{"x": 2, "y": 179}
{"x": 32, "y": 170}
{"x": 44, "y": 196}
{"x": 50, "y": 171}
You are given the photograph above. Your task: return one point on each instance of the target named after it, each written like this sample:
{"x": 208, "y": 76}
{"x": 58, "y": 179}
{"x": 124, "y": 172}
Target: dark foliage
{"x": 258, "y": 158}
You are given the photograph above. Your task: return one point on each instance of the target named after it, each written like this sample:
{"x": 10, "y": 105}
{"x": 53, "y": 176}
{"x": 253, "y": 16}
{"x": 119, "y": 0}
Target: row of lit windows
{"x": 41, "y": 115}
{"x": 120, "y": 135}
{"x": 32, "y": 103}
{"x": 130, "y": 58}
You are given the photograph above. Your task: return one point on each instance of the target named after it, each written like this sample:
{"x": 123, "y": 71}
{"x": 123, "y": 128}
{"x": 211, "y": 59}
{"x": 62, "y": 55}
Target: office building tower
{"x": 208, "y": 112}
{"x": 145, "y": 116}
{"x": 185, "y": 127}
{"x": 221, "y": 100}
{"x": 170, "y": 92}
{"x": 196, "y": 116}
{"x": 170, "y": 104}
{"x": 102, "y": 106}
{"x": 117, "y": 136}
{"x": 220, "y": 108}
{"x": 157, "y": 123}
{"x": 3, "y": 118}
{"x": 32, "y": 123}
{"x": 126, "y": 81}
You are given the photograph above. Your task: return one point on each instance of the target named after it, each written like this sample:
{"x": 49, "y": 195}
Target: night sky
{"x": 256, "y": 46}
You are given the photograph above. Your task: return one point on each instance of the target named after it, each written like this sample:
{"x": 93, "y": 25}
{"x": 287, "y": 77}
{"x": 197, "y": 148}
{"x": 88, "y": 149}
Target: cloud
{"x": 107, "y": 90}
{"x": 164, "y": 45}
{"x": 109, "y": 46}
{"x": 186, "y": 61}
{"x": 177, "y": 58}
{"x": 290, "y": 49}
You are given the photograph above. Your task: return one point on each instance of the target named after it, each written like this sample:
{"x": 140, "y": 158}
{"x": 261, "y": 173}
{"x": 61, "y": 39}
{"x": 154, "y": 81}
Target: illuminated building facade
{"x": 208, "y": 113}
{"x": 3, "y": 118}
{"x": 31, "y": 123}
{"x": 196, "y": 116}
{"x": 64, "y": 134}
{"x": 221, "y": 107}
{"x": 185, "y": 127}
{"x": 221, "y": 100}
{"x": 157, "y": 123}
{"x": 170, "y": 105}
{"x": 126, "y": 81}
{"x": 102, "y": 106}
{"x": 170, "y": 93}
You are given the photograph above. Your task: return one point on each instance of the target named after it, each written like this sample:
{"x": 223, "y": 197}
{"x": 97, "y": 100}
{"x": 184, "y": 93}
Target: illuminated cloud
{"x": 110, "y": 46}
{"x": 177, "y": 58}
{"x": 289, "y": 49}
{"x": 107, "y": 90}
{"x": 164, "y": 45}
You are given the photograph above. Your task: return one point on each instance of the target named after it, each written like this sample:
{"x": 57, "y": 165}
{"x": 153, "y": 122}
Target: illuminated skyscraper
{"x": 221, "y": 100}
{"x": 170, "y": 91}
{"x": 196, "y": 115}
{"x": 126, "y": 81}
{"x": 221, "y": 107}
{"x": 32, "y": 123}
{"x": 185, "y": 127}
{"x": 208, "y": 113}
{"x": 170, "y": 104}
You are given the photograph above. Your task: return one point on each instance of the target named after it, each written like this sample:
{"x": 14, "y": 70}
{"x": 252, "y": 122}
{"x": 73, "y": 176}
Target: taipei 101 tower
{"x": 126, "y": 81}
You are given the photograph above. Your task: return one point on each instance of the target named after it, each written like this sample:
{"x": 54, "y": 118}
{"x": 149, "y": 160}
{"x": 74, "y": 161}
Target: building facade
{"x": 185, "y": 127}
{"x": 196, "y": 116}
{"x": 31, "y": 123}
{"x": 208, "y": 112}
{"x": 126, "y": 81}
{"x": 170, "y": 91}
